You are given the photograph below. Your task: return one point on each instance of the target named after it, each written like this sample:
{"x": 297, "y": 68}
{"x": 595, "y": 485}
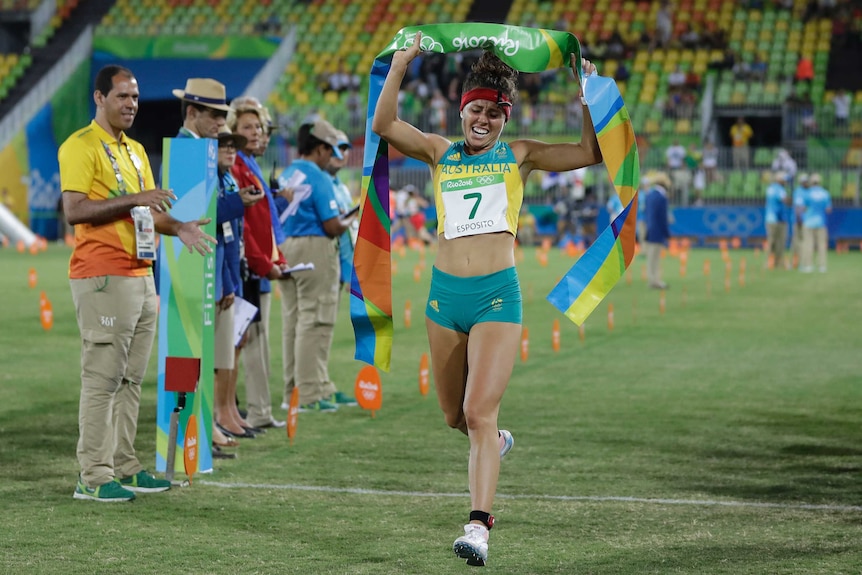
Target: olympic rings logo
{"x": 732, "y": 222}
{"x": 487, "y": 180}
{"x": 426, "y": 44}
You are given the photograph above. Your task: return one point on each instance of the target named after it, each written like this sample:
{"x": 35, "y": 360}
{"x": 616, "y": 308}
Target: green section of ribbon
{"x": 524, "y": 49}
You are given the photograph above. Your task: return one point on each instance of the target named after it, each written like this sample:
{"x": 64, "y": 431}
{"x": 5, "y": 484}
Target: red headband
{"x": 491, "y": 95}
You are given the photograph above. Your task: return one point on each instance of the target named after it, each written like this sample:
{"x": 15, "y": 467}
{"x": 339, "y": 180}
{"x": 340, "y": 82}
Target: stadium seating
{"x": 13, "y": 66}
{"x": 334, "y": 35}
{"x": 350, "y": 34}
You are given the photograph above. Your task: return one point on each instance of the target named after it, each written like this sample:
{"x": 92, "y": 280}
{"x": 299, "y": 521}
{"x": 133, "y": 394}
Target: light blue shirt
{"x": 345, "y": 242}
{"x": 615, "y": 206}
{"x": 775, "y": 196}
{"x": 816, "y": 201}
{"x": 313, "y": 200}
{"x": 798, "y": 202}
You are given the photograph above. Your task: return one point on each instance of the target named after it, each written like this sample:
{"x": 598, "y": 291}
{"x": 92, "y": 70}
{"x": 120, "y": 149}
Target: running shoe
{"x": 473, "y": 545}
{"x": 506, "y": 442}
{"x": 321, "y": 406}
{"x": 144, "y": 482}
{"x": 110, "y": 492}
{"x": 341, "y": 399}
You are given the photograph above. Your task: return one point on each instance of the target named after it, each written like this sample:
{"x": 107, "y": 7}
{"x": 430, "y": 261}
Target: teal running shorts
{"x": 459, "y": 303}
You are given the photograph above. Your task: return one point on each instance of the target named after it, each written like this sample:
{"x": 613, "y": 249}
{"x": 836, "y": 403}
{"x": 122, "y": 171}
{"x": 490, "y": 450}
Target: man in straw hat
{"x": 657, "y": 228}
{"x": 204, "y": 108}
{"x": 204, "y": 112}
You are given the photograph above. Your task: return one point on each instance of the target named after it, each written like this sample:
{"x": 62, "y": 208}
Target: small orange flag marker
{"x": 367, "y": 389}
{"x": 423, "y": 374}
{"x": 190, "y": 447}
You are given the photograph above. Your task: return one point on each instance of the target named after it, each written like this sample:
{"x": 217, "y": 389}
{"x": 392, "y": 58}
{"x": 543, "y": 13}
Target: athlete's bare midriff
{"x": 475, "y": 255}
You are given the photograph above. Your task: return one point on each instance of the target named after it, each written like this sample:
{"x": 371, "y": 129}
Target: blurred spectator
{"x": 798, "y": 200}
{"x": 758, "y": 68}
{"x": 526, "y": 227}
{"x": 679, "y": 173}
{"x": 727, "y": 62}
{"x": 589, "y": 213}
{"x": 776, "y": 226}
{"x": 816, "y": 207}
{"x": 415, "y": 206}
{"x": 622, "y": 74}
{"x": 692, "y": 81}
{"x": 355, "y": 111}
{"x": 709, "y": 162}
{"x": 785, "y": 164}
{"x": 742, "y": 69}
{"x": 810, "y": 11}
{"x": 342, "y": 80}
{"x": 801, "y": 110}
{"x": 676, "y": 79}
{"x": 690, "y": 38}
{"x": 531, "y": 84}
{"x": 740, "y": 134}
{"x": 439, "y": 107}
{"x": 616, "y": 47}
{"x": 664, "y": 24}
{"x": 713, "y": 37}
{"x": 841, "y": 102}
{"x": 804, "y": 69}
{"x": 657, "y": 228}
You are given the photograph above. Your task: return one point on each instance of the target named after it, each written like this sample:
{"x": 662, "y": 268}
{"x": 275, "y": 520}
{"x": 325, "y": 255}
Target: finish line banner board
{"x": 187, "y": 298}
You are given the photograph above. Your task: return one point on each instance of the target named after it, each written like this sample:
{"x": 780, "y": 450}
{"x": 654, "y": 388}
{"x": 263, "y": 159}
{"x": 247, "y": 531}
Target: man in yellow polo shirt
{"x": 740, "y": 134}
{"x": 110, "y": 196}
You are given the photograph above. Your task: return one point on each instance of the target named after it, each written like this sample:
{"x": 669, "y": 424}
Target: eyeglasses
{"x": 230, "y": 146}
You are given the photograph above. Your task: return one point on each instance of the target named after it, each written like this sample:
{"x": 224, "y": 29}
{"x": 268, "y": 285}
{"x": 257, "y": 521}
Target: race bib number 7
{"x": 474, "y": 205}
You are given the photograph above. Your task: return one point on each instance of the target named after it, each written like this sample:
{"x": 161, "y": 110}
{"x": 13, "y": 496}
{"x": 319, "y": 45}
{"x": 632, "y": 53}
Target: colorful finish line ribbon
{"x": 524, "y": 49}
{"x": 597, "y": 271}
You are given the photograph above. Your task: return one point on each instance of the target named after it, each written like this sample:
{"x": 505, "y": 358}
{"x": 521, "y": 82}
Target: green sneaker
{"x": 110, "y": 492}
{"x": 321, "y": 406}
{"x": 342, "y": 399}
{"x": 143, "y": 482}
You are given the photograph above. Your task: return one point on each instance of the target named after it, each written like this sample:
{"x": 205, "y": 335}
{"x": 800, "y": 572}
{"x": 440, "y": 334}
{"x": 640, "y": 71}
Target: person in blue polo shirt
{"x": 312, "y": 223}
{"x": 816, "y": 206}
{"x": 774, "y": 216}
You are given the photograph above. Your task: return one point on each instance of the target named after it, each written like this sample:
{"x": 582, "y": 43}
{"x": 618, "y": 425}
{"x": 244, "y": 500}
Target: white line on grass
{"x": 595, "y": 498}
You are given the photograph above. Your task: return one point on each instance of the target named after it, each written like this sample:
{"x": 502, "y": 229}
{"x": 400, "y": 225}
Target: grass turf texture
{"x": 719, "y": 418}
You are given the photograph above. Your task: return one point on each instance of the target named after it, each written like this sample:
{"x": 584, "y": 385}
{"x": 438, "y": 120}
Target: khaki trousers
{"x": 776, "y": 239}
{"x": 814, "y": 240}
{"x": 309, "y": 306}
{"x": 117, "y": 320}
{"x": 255, "y": 361}
{"x": 796, "y": 242}
{"x": 653, "y": 266}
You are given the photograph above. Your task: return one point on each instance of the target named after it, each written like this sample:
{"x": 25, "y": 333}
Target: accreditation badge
{"x": 145, "y": 233}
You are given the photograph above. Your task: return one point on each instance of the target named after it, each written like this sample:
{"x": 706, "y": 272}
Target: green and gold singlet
{"x": 478, "y": 194}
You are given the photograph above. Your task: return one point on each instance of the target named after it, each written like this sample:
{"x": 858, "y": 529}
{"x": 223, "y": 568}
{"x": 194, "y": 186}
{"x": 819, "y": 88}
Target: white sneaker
{"x": 506, "y": 442}
{"x": 285, "y": 406}
{"x": 473, "y": 545}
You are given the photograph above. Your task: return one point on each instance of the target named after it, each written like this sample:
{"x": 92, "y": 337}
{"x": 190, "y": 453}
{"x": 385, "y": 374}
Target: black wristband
{"x": 485, "y": 518}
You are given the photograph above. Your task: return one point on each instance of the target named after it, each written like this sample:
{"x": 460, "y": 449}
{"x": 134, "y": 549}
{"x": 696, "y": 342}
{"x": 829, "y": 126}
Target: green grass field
{"x": 721, "y": 436}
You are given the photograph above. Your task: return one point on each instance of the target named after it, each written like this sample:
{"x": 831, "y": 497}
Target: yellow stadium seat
{"x": 683, "y": 126}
